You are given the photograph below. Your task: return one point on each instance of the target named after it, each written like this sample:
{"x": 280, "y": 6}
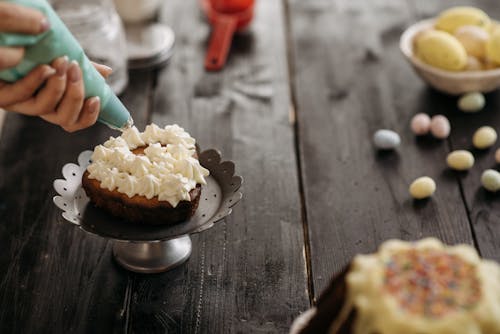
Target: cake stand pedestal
{"x": 152, "y": 257}
{"x": 148, "y": 248}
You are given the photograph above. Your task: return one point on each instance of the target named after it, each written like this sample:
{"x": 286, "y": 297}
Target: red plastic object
{"x": 226, "y": 17}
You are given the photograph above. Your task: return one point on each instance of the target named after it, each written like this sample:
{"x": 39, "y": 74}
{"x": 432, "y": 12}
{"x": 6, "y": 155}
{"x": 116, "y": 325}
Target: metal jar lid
{"x": 149, "y": 45}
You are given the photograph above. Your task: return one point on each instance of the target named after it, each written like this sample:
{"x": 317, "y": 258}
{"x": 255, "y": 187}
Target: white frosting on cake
{"x": 469, "y": 302}
{"x": 167, "y": 169}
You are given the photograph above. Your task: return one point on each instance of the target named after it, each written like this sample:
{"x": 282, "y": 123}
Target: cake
{"x": 423, "y": 287}
{"x": 151, "y": 177}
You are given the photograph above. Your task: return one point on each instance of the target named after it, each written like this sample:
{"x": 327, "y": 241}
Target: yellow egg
{"x": 493, "y": 47}
{"x": 490, "y": 179}
{"x": 460, "y": 160}
{"x": 442, "y": 50}
{"x": 489, "y": 64}
{"x": 494, "y": 25}
{"x": 473, "y": 64}
{"x": 474, "y": 40}
{"x": 453, "y": 18}
{"x": 484, "y": 137}
{"x": 471, "y": 102}
{"x": 422, "y": 187}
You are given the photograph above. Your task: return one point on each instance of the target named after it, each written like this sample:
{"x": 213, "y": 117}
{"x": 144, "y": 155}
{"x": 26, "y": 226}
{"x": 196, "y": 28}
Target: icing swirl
{"x": 166, "y": 169}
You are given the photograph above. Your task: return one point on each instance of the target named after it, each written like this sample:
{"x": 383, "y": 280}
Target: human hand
{"x": 54, "y": 92}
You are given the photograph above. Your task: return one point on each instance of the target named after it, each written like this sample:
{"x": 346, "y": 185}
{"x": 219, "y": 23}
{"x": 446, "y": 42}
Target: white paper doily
{"x": 72, "y": 198}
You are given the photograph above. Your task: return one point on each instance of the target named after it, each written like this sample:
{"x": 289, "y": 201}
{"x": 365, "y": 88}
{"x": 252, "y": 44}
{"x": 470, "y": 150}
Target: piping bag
{"x": 56, "y": 42}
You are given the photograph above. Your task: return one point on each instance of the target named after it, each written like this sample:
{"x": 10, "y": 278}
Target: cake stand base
{"x": 152, "y": 257}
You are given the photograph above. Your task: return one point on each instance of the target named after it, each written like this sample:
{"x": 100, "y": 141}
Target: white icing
{"x": 167, "y": 169}
{"x": 378, "y": 312}
{"x": 133, "y": 138}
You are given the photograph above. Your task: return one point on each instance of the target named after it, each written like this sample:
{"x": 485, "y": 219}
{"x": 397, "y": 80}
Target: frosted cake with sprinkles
{"x": 422, "y": 287}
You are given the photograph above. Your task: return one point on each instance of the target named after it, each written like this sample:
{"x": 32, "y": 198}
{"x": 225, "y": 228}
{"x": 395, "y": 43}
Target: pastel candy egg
{"x": 474, "y": 64}
{"x": 386, "y": 139}
{"x": 484, "y": 137}
{"x": 471, "y": 102}
{"x": 490, "y": 179}
{"x": 460, "y": 160}
{"x": 441, "y": 50}
{"x": 422, "y": 187}
{"x": 494, "y": 25}
{"x": 440, "y": 127}
{"x": 493, "y": 47}
{"x": 453, "y": 18}
{"x": 490, "y": 65}
{"x": 474, "y": 40}
{"x": 420, "y": 124}
{"x": 497, "y": 156}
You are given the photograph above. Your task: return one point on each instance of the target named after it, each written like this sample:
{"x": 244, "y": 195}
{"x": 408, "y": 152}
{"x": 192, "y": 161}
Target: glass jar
{"x": 98, "y": 28}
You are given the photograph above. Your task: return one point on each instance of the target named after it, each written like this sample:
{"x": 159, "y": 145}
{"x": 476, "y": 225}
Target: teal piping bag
{"x": 56, "y": 42}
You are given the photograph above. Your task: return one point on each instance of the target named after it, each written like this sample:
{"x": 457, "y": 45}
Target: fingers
{"x": 10, "y": 57}
{"x": 104, "y": 70}
{"x": 20, "y": 19}
{"x": 72, "y": 101}
{"x": 48, "y": 97}
{"x": 88, "y": 115}
{"x": 59, "y": 101}
{"x": 72, "y": 113}
{"x": 24, "y": 88}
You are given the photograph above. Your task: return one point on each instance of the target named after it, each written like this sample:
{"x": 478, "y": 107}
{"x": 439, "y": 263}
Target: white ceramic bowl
{"x": 446, "y": 81}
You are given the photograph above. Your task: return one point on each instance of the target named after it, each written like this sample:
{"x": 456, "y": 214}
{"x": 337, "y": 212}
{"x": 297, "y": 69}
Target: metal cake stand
{"x": 146, "y": 248}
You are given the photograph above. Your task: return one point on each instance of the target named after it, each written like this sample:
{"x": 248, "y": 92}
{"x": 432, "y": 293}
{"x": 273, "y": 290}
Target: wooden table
{"x": 295, "y": 108}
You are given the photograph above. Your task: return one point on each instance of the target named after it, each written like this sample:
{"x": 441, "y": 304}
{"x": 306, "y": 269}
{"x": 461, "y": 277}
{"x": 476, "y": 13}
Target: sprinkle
{"x": 431, "y": 283}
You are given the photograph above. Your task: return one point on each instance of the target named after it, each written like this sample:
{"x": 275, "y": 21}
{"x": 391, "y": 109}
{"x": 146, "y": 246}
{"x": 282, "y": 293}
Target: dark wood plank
{"x": 55, "y": 278}
{"x": 351, "y": 80}
{"x": 247, "y": 274}
{"x": 483, "y": 207}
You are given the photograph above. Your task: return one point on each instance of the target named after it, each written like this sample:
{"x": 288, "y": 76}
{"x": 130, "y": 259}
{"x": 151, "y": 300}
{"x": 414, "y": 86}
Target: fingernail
{"x": 94, "y": 104}
{"x": 62, "y": 67}
{"x": 48, "y": 71}
{"x": 74, "y": 74}
{"x": 107, "y": 68}
{"x": 44, "y": 25}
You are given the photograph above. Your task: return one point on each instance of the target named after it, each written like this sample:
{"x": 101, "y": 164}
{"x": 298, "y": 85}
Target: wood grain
{"x": 351, "y": 80}
{"x": 54, "y": 278}
{"x": 246, "y": 274}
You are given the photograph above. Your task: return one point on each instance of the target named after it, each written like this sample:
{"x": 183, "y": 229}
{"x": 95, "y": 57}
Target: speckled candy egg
{"x": 451, "y": 19}
{"x": 440, "y": 127}
{"x": 460, "y": 160}
{"x": 484, "y": 137}
{"x": 490, "y": 179}
{"x": 474, "y": 40}
{"x": 386, "y": 139}
{"x": 420, "y": 124}
{"x": 474, "y": 64}
{"x": 422, "y": 187}
{"x": 442, "y": 50}
{"x": 471, "y": 102}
